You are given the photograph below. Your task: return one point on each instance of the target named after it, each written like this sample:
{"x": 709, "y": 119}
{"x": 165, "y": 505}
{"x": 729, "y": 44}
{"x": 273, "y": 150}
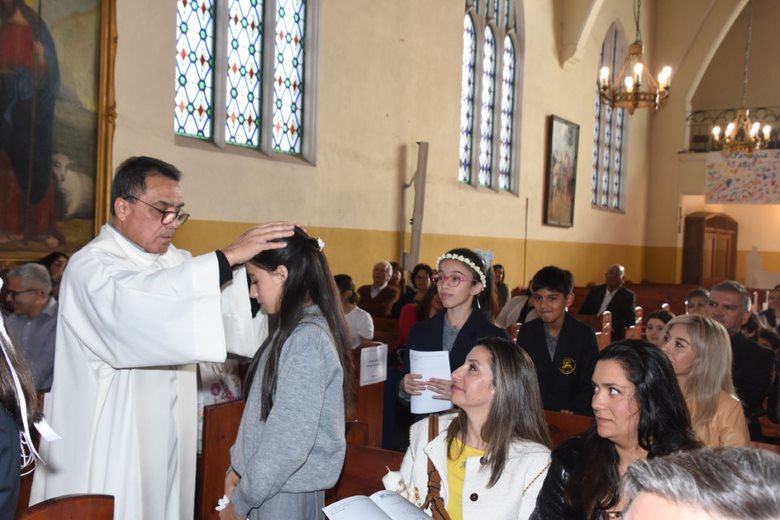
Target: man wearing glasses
{"x": 33, "y": 324}
{"x": 751, "y": 364}
{"x": 135, "y": 315}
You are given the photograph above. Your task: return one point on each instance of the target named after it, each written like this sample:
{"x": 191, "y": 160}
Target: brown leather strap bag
{"x": 433, "y": 499}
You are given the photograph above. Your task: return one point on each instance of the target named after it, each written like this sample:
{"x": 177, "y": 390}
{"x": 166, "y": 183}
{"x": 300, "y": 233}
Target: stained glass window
{"x": 244, "y": 72}
{"x": 507, "y": 98}
{"x": 288, "y": 77}
{"x": 488, "y": 106}
{"x": 490, "y": 29}
{"x": 194, "y": 97}
{"x": 274, "y": 122}
{"x": 609, "y": 133}
{"x": 467, "y": 99}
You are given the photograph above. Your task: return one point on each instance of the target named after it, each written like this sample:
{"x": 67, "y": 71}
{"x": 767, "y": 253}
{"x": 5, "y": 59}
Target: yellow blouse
{"x": 456, "y": 472}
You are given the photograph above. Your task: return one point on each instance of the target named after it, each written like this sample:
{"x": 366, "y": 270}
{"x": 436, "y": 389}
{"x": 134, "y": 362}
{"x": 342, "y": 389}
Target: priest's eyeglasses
{"x": 452, "y": 280}
{"x": 167, "y": 217}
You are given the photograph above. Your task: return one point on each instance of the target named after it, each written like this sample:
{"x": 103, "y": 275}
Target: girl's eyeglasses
{"x": 452, "y": 280}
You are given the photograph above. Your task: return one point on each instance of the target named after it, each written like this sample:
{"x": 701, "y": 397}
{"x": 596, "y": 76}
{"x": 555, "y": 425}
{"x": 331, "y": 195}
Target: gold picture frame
{"x": 64, "y": 24}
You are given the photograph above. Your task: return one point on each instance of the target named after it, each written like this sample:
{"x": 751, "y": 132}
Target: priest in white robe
{"x": 135, "y": 316}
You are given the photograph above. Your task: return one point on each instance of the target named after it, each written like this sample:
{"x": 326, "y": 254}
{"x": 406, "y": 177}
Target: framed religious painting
{"x": 56, "y": 130}
{"x": 560, "y": 172}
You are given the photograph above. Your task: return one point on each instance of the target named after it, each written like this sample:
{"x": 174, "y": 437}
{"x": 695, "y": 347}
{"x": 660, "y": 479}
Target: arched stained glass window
{"x": 488, "y": 100}
{"x": 194, "y": 98}
{"x": 491, "y": 54}
{"x": 609, "y": 129}
{"x": 265, "y": 90}
{"x": 507, "y": 105}
{"x": 467, "y": 99}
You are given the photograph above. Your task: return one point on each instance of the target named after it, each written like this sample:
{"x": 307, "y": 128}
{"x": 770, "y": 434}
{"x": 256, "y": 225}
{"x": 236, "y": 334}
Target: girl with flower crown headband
{"x": 290, "y": 444}
{"x": 464, "y": 282}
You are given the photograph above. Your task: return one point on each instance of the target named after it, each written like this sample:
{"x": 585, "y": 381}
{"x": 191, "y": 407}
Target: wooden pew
{"x": 564, "y": 426}
{"x": 92, "y": 507}
{"x": 364, "y": 467}
{"x": 386, "y": 331}
{"x": 635, "y": 330}
{"x": 602, "y": 325}
{"x": 768, "y": 428}
{"x": 774, "y": 448}
{"x": 368, "y": 404}
{"x": 220, "y": 426}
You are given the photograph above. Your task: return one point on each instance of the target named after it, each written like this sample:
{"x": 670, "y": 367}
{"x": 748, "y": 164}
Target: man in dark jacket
{"x": 751, "y": 364}
{"x": 612, "y": 297}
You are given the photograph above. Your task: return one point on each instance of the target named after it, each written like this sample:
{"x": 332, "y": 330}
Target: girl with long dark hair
{"x": 290, "y": 444}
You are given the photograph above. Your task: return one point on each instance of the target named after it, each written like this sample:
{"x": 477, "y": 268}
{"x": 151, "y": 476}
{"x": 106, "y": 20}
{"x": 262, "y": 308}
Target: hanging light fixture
{"x": 635, "y": 87}
{"x": 743, "y": 134}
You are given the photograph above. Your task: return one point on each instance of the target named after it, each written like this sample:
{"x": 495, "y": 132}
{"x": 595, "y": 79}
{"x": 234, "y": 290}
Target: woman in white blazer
{"x": 493, "y": 453}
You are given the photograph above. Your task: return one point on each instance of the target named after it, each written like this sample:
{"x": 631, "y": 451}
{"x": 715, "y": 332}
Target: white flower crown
{"x": 467, "y": 261}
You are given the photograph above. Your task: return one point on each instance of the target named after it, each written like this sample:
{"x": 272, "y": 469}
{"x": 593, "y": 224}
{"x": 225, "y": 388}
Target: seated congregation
{"x": 698, "y": 381}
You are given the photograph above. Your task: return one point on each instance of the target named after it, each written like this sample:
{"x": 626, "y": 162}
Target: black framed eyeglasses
{"x": 167, "y": 217}
{"x": 12, "y": 294}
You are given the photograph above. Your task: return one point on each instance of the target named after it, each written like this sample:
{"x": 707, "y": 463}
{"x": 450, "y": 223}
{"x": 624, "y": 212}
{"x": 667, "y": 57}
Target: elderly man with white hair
{"x": 378, "y": 298}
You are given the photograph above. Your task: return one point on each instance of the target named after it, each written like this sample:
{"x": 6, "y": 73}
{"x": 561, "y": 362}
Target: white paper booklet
{"x": 373, "y": 364}
{"x": 382, "y": 505}
{"x": 429, "y": 364}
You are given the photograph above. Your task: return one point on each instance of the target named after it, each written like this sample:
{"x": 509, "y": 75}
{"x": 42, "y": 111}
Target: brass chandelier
{"x": 635, "y": 88}
{"x": 743, "y": 135}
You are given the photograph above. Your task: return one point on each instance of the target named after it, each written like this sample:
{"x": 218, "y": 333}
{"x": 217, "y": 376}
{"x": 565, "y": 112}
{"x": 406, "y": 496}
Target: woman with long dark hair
{"x": 290, "y": 444}
{"x": 491, "y": 455}
{"x": 640, "y": 413}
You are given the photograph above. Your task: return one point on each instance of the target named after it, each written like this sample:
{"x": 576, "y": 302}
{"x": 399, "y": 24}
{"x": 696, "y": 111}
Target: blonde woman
{"x": 700, "y": 351}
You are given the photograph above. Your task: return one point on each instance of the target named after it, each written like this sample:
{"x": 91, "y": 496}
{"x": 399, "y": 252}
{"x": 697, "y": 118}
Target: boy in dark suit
{"x": 562, "y": 348}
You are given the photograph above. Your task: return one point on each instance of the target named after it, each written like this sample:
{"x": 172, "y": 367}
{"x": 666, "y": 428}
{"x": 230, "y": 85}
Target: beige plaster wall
{"x": 688, "y": 35}
{"x": 389, "y": 75}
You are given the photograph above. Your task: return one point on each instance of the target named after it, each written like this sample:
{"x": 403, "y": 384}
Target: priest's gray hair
{"x": 737, "y": 483}
{"x": 35, "y": 275}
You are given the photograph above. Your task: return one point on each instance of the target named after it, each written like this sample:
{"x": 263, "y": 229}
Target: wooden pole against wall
{"x": 411, "y": 258}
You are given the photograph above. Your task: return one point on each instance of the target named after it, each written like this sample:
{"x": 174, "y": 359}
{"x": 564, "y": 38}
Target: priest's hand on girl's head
{"x": 256, "y": 240}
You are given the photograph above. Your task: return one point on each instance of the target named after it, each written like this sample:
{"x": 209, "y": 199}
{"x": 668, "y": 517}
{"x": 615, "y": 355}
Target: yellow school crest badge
{"x": 568, "y": 366}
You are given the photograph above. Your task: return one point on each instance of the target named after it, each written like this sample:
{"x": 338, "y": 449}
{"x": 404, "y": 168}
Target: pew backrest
{"x": 93, "y": 507}
{"x": 364, "y": 467}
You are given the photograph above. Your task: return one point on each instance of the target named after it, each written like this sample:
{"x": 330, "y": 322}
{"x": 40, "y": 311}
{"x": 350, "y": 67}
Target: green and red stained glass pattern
{"x": 467, "y": 99}
{"x": 193, "y": 110}
{"x": 288, "y": 83}
{"x": 244, "y": 72}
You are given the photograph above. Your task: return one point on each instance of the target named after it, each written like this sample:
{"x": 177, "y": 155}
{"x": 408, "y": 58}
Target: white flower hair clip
{"x": 486, "y": 256}
{"x": 464, "y": 260}
{"x": 320, "y": 243}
